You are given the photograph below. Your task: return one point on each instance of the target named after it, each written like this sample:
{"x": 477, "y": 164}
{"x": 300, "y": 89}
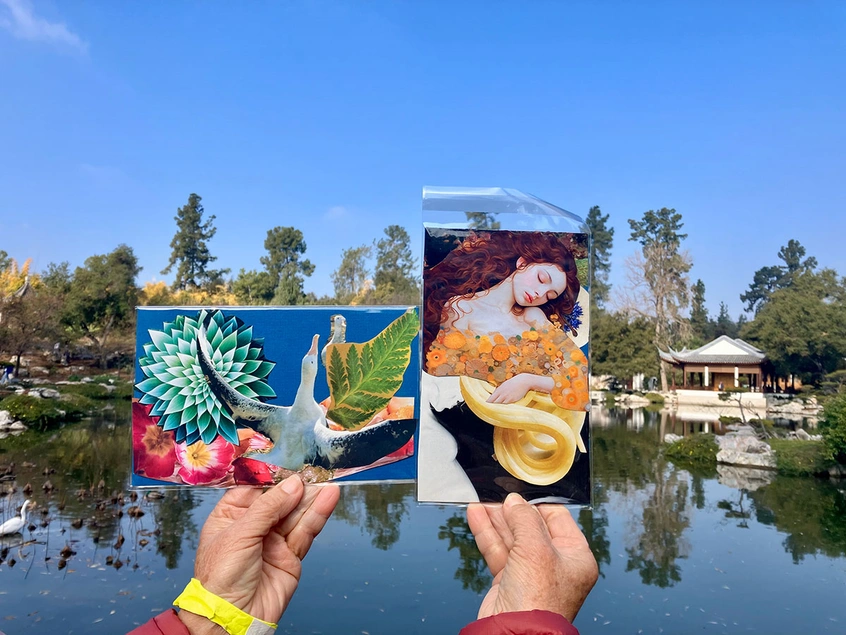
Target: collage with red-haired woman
{"x": 505, "y": 385}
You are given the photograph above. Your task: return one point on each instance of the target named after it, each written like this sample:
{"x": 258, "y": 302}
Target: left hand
{"x": 515, "y": 388}
{"x": 252, "y": 545}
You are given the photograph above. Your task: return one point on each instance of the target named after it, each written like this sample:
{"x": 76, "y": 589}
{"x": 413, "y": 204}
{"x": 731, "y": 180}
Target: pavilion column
{"x": 736, "y": 377}
{"x": 706, "y": 377}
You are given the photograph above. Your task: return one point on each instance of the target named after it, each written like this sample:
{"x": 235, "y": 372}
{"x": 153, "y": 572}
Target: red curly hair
{"x": 483, "y": 260}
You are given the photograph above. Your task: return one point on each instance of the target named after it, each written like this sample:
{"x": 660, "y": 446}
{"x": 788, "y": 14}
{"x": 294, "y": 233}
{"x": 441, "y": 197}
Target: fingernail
{"x": 514, "y": 499}
{"x": 291, "y": 484}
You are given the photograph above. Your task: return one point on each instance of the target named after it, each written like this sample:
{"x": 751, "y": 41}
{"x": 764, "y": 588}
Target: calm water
{"x": 679, "y": 551}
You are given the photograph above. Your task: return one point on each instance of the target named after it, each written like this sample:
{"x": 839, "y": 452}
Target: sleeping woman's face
{"x": 537, "y": 283}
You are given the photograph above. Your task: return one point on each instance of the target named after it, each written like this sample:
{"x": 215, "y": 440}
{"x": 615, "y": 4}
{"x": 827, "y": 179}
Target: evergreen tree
{"x": 602, "y": 239}
{"x": 396, "y": 269}
{"x": 282, "y": 263}
{"x": 802, "y": 327}
{"x": 665, "y": 269}
{"x": 351, "y": 275}
{"x": 724, "y": 325}
{"x": 4, "y": 260}
{"x": 481, "y": 220}
{"x": 768, "y": 280}
{"x": 622, "y": 346}
{"x": 253, "y": 287}
{"x": 700, "y": 324}
{"x": 190, "y": 250}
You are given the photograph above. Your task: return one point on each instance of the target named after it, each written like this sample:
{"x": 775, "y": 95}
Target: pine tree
{"x": 284, "y": 247}
{"x": 396, "y": 269}
{"x": 700, "y": 324}
{"x": 768, "y": 280}
{"x": 190, "y": 250}
{"x": 351, "y": 275}
{"x": 665, "y": 269}
{"x": 602, "y": 239}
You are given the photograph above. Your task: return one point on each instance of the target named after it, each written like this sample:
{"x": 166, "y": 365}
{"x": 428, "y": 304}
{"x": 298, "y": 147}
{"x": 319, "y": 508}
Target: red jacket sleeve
{"x": 168, "y": 623}
{"x": 521, "y": 623}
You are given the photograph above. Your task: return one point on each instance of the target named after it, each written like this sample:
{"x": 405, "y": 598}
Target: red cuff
{"x": 521, "y": 623}
{"x": 168, "y": 623}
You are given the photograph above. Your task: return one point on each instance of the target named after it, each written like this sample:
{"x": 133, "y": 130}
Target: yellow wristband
{"x": 196, "y": 599}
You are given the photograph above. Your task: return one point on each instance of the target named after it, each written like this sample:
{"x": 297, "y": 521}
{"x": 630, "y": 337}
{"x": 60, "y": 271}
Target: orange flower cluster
{"x": 495, "y": 359}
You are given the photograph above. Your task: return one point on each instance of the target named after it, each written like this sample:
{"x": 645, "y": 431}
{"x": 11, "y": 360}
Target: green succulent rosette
{"x": 176, "y": 387}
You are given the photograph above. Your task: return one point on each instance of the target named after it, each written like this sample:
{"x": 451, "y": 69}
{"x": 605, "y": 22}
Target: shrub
{"x": 123, "y": 390}
{"x": 654, "y": 397}
{"x": 77, "y": 405}
{"x": 833, "y": 428}
{"x": 699, "y": 449}
{"x": 728, "y": 419}
{"x": 40, "y": 414}
{"x": 91, "y": 391}
{"x": 800, "y": 458}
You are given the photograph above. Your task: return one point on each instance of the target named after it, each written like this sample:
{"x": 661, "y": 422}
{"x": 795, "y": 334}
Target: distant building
{"x": 722, "y": 363}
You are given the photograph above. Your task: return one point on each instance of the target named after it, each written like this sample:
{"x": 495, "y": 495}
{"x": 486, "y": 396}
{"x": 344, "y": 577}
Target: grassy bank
{"x": 793, "y": 457}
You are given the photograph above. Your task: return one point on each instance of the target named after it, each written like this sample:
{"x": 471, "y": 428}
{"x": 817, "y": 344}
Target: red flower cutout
{"x": 153, "y": 449}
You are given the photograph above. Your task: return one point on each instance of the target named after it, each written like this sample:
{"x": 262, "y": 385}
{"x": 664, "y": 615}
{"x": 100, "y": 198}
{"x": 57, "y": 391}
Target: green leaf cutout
{"x": 364, "y": 377}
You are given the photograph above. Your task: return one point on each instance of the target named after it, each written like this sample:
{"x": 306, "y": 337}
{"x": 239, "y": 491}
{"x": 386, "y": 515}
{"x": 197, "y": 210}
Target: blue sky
{"x": 331, "y": 116}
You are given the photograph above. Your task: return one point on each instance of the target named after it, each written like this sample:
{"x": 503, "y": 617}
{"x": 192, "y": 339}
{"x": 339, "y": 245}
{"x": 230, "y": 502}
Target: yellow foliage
{"x": 13, "y": 277}
{"x": 160, "y": 294}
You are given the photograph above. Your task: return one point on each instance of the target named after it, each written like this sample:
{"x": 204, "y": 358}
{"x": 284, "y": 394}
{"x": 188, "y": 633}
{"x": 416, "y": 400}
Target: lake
{"x": 680, "y": 551}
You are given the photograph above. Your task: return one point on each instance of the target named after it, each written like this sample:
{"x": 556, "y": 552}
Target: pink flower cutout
{"x": 203, "y": 464}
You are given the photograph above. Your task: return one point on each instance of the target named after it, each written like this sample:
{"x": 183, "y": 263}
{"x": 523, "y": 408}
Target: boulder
{"x": 45, "y": 393}
{"x": 801, "y": 434}
{"x": 17, "y": 425}
{"x": 744, "y": 450}
{"x": 672, "y": 438}
{"x": 633, "y": 400}
{"x": 741, "y": 430}
{"x": 5, "y": 418}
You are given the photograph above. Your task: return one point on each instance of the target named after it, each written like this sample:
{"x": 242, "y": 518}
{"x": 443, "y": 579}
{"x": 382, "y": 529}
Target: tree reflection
{"x": 660, "y": 541}
{"x": 736, "y": 511}
{"x": 810, "y": 511}
{"x": 623, "y": 458}
{"x": 174, "y": 523}
{"x": 472, "y": 572}
{"x": 594, "y": 524}
{"x": 377, "y": 509}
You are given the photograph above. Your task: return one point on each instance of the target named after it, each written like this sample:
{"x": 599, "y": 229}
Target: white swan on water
{"x": 14, "y": 525}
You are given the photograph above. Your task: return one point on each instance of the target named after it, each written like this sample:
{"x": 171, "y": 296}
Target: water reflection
{"x": 811, "y": 512}
{"x": 378, "y": 510}
{"x": 472, "y": 571}
{"x": 671, "y": 541}
{"x": 174, "y": 523}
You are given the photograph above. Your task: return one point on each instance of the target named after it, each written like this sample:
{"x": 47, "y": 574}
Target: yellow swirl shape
{"x": 534, "y": 440}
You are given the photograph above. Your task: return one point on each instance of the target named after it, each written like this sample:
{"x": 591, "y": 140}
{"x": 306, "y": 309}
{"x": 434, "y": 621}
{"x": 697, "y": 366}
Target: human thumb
{"x": 525, "y": 523}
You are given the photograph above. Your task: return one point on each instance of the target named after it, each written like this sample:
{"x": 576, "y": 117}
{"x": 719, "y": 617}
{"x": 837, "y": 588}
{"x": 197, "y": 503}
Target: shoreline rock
{"x": 746, "y": 450}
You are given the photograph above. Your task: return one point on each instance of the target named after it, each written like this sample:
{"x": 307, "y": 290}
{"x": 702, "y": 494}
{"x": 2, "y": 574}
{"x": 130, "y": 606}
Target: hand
{"x": 515, "y": 388}
{"x": 538, "y": 556}
{"x": 252, "y": 545}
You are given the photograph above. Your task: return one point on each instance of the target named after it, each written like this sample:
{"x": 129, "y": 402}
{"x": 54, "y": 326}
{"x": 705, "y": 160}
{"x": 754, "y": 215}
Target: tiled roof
{"x": 736, "y": 352}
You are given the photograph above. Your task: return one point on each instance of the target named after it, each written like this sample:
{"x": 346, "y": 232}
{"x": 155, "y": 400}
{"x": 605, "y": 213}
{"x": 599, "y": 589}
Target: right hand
{"x": 538, "y": 556}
